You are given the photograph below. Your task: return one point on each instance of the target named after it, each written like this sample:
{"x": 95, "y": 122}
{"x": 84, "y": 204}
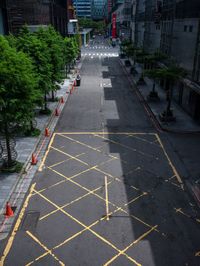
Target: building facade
{"x": 35, "y": 13}
{"x": 3, "y": 18}
{"x": 83, "y": 8}
{"x": 99, "y": 9}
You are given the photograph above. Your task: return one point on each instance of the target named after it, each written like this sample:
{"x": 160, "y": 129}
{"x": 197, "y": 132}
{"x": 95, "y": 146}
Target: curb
{"x": 152, "y": 115}
{"x": 26, "y": 170}
{"x": 26, "y": 164}
{"x": 192, "y": 189}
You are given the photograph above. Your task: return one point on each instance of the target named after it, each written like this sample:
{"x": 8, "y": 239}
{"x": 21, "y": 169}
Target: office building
{"x": 83, "y": 8}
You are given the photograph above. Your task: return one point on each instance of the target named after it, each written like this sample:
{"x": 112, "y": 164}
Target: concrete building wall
{"x": 185, "y": 32}
{"x": 140, "y": 23}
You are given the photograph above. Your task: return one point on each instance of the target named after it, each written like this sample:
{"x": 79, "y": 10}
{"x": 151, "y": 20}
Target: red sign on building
{"x": 114, "y": 25}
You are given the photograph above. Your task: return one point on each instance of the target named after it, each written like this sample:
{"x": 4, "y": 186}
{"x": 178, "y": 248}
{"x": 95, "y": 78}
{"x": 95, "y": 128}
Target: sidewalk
{"x": 183, "y": 124}
{"x": 13, "y": 187}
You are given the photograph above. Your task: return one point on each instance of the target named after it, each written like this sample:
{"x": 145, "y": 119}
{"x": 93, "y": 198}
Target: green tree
{"x": 17, "y": 91}
{"x": 38, "y": 51}
{"x": 55, "y": 44}
{"x": 171, "y": 75}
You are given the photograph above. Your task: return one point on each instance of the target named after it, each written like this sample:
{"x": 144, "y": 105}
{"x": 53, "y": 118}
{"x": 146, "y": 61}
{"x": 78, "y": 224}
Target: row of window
{"x": 188, "y": 28}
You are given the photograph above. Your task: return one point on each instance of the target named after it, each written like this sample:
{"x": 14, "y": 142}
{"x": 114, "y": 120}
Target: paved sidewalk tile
{"x": 25, "y": 146}
{"x": 183, "y": 123}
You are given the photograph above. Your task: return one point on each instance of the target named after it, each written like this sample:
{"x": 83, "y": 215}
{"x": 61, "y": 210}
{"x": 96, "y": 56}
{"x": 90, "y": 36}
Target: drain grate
{"x": 30, "y": 221}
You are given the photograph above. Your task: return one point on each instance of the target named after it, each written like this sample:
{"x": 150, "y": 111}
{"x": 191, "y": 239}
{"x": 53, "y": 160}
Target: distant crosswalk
{"x": 92, "y": 54}
{"x": 98, "y": 50}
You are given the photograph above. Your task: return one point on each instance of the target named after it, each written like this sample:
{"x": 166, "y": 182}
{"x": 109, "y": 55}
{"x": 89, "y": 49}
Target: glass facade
{"x": 99, "y": 8}
{"x": 83, "y": 8}
{"x": 1, "y": 23}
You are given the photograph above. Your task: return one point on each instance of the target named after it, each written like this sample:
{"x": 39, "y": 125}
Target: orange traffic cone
{"x": 56, "y": 112}
{"x": 61, "y": 100}
{"x": 34, "y": 159}
{"x": 47, "y": 133}
{"x": 9, "y": 211}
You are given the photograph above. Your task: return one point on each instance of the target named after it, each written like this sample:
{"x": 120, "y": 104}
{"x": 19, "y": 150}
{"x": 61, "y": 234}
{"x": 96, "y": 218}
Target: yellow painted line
{"x": 81, "y": 143}
{"x": 144, "y": 140}
{"x": 53, "y": 165}
{"x": 106, "y": 194}
{"x": 83, "y": 225}
{"x": 70, "y": 203}
{"x": 101, "y": 133}
{"x": 133, "y": 200}
{"x": 170, "y": 163}
{"x": 99, "y": 197}
{"x": 46, "y": 153}
{"x": 185, "y": 214}
{"x": 135, "y": 242}
{"x": 16, "y": 227}
{"x": 171, "y": 177}
{"x": 44, "y": 247}
{"x": 38, "y": 258}
{"x": 73, "y": 157}
{"x": 85, "y": 229}
{"x": 127, "y": 147}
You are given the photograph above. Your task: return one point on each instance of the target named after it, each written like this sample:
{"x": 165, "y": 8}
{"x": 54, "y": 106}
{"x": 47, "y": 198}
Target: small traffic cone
{"x": 9, "y": 211}
{"x": 56, "y": 112}
{"x": 61, "y": 100}
{"x": 47, "y": 133}
{"x": 34, "y": 159}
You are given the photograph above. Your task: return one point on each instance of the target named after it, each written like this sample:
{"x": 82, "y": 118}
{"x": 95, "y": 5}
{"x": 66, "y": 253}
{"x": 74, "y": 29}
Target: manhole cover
{"x": 30, "y": 221}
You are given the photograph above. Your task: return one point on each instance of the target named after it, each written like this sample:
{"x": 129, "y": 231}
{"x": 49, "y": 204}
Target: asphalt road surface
{"x": 108, "y": 193}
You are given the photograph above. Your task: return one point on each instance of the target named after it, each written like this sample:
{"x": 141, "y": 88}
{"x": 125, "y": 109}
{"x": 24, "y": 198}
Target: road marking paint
{"x": 70, "y": 203}
{"x": 133, "y": 243}
{"x": 44, "y": 247}
{"x": 106, "y": 199}
{"x": 81, "y": 143}
{"x": 133, "y": 200}
{"x": 73, "y": 157}
{"x": 53, "y": 165}
{"x": 99, "y": 133}
{"x": 86, "y": 227}
{"x": 179, "y": 210}
{"x": 46, "y": 153}
{"x": 127, "y": 147}
{"x": 170, "y": 163}
{"x": 145, "y": 140}
{"x": 100, "y": 197}
{"x": 16, "y": 227}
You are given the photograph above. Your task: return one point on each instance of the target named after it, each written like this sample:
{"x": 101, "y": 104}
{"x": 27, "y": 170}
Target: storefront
{"x": 187, "y": 95}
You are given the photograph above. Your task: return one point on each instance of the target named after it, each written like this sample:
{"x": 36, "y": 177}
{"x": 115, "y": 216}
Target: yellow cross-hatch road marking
{"x": 16, "y": 227}
{"x": 106, "y": 193}
{"x": 88, "y": 228}
{"x": 33, "y": 191}
{"x": 44, "y": 247}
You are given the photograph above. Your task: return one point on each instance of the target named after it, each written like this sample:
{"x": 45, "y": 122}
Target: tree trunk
{"x": 7, "y": 137}
{"x": 45, "y": 101}
{"x": 169, "y": 97}
{"x": 52, "y": 96}
{"x": 154, "y": 85}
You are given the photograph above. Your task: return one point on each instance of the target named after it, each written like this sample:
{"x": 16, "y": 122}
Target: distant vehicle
{"x": 93, "y": 36}
{"x": 99, "y": 34}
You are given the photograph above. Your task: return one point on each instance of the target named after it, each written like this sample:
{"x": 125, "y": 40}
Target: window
{"x": 190, "y": 28}
{"x": 185, "y": 28}
{"x": 158, "y": 27}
